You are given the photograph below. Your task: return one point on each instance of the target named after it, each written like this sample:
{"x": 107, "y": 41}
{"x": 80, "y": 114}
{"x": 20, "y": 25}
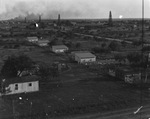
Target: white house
{"x": 43, "y": 42}
{"x": 20, "y": 85}
{"x": 84, "y": 57}
{"x": 32, "y": 39}
{"x": 59, "y": 48}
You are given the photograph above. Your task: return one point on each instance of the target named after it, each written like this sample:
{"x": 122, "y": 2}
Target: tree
{"x": 69, "y": 44}
{"x": 103, "y": 44}
{"x": 54, "y": 72}
{"x": 146, "y": 49}
{"x": 43, "y": 72}
{"x": 123, "y": 43}
{"x": 114, "y": 46}
{"x": 14, "y": 65}
{"x": 120, "y": 58}
{"x": 137, "y": 43}
{"x": 100, "y": 50}
{"x": 95, "y": 38}
{"x": 53, "y": 42}
{"x": 78, "y": 45}
{"x": 135, "y": 58}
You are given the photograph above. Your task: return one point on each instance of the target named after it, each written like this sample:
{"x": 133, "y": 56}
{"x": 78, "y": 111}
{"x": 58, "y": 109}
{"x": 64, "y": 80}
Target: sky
{"x": 74, "y": 9}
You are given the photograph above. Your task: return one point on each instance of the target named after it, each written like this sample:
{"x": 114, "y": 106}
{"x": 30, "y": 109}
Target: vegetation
{"x": 100, "y": 50}
{"x": 53, "y": 42}
{"x": 120, "y": 58}
{"x": 136, "y": 43}
{"x": 137, "y": 59}
{"x": 103, "y": 45}
{"x": 14, "y": 65}
{"x": 146, "y": 49}
{"x": 47, "y": 73}
{"x": 114, "y": 46}
{"x": 78, "y": 45}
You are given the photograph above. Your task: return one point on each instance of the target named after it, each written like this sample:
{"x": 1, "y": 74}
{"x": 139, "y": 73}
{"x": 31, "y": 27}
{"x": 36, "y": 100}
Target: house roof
{"x": 59, "y": 47}
{"x": 43, "y": 41}
{"x": 21, "y": 79}
{"x": 85, "y": 55}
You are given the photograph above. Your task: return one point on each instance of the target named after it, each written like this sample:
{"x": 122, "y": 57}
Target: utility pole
{"x": 13, "y": 108}
{"x": 58, "y": 22}
{"x": 40, "y": 18}
{"x": 31, "y": 110}
{"x": 141, "y": 95}
{"x": 25, "y": 20}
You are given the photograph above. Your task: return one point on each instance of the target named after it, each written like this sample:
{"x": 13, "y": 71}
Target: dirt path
{"x": 144, "y": 113}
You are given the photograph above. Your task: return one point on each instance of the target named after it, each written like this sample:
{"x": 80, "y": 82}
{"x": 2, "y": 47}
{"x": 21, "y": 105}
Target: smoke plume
{"x": 49, "y": 9}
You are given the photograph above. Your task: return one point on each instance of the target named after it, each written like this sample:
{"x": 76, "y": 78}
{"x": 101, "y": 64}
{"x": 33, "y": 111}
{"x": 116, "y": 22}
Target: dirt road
{"x": 144, "y": 113}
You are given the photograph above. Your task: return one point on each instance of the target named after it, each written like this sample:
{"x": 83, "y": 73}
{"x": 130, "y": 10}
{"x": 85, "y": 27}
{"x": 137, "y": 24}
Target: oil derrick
{"x": 58, "y": 22}
{"x": 39, "y": 18}
{"x": 25, "y": 20}
{"x": 110, "y": 22}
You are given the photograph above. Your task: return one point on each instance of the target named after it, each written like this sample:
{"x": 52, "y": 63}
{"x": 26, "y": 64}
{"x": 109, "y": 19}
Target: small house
{"x": 32, "y": 39}
{"x": 19, "y": 85}
{"x": 43, "y": 42}
{"x": 84, "y": 57}
{"x": 129, "y": 75}
{"x": 59, "y": 48}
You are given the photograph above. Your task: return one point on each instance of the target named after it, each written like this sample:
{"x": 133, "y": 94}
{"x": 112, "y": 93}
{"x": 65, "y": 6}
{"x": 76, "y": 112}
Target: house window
{"x": 16, "y": 86}
{"x": 30, "y": 84}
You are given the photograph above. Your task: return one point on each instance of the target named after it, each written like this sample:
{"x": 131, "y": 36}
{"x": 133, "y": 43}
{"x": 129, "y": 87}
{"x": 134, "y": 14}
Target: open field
{"x": 75, "y": 93}
{"x": 78, "y": 90}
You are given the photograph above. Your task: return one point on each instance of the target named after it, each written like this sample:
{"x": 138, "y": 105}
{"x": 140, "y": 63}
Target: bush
{"x": 114, "y": 46}
{"x": 15, "y": 64}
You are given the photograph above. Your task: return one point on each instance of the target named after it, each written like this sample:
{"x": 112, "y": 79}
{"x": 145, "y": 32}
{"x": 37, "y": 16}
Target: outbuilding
{"x": 43, "y": 42}
{"x": 84, "y": 57}
{"x": 19, "y": 85}
{"x": 32, "y": 39}
{"x": 59, "y": 48}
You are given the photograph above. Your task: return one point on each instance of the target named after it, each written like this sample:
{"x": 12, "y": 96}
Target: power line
{"x": 142, "y": 70}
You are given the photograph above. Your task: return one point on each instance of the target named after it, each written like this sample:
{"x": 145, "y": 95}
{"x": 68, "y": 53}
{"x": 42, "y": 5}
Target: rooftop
{"x": 43, "y": 41}
{"x": 59, "y": 47}
{"x": 21, "y": 79}
{"x": 85, "y": 55}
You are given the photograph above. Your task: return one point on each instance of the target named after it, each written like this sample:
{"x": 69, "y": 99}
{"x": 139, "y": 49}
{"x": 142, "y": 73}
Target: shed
{"x": 84, "y": 57}
{"x": 59, "y": 48}
{"x": 43, "y": 42}
{"x": 32, "y": 39}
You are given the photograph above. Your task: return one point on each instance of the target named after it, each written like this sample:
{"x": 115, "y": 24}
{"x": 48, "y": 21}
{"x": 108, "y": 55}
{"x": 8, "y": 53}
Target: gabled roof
{"x": 85, "y": 55}
{"x": 59, "y": 47}
{"x": 21, "y": 79}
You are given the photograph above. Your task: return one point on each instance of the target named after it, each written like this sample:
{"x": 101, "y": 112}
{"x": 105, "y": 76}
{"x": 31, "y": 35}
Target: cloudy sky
{"x": 74, "y": 8}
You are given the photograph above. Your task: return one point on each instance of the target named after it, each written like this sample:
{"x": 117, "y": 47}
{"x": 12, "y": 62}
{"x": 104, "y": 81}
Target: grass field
{"x": 78, "y": 92}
